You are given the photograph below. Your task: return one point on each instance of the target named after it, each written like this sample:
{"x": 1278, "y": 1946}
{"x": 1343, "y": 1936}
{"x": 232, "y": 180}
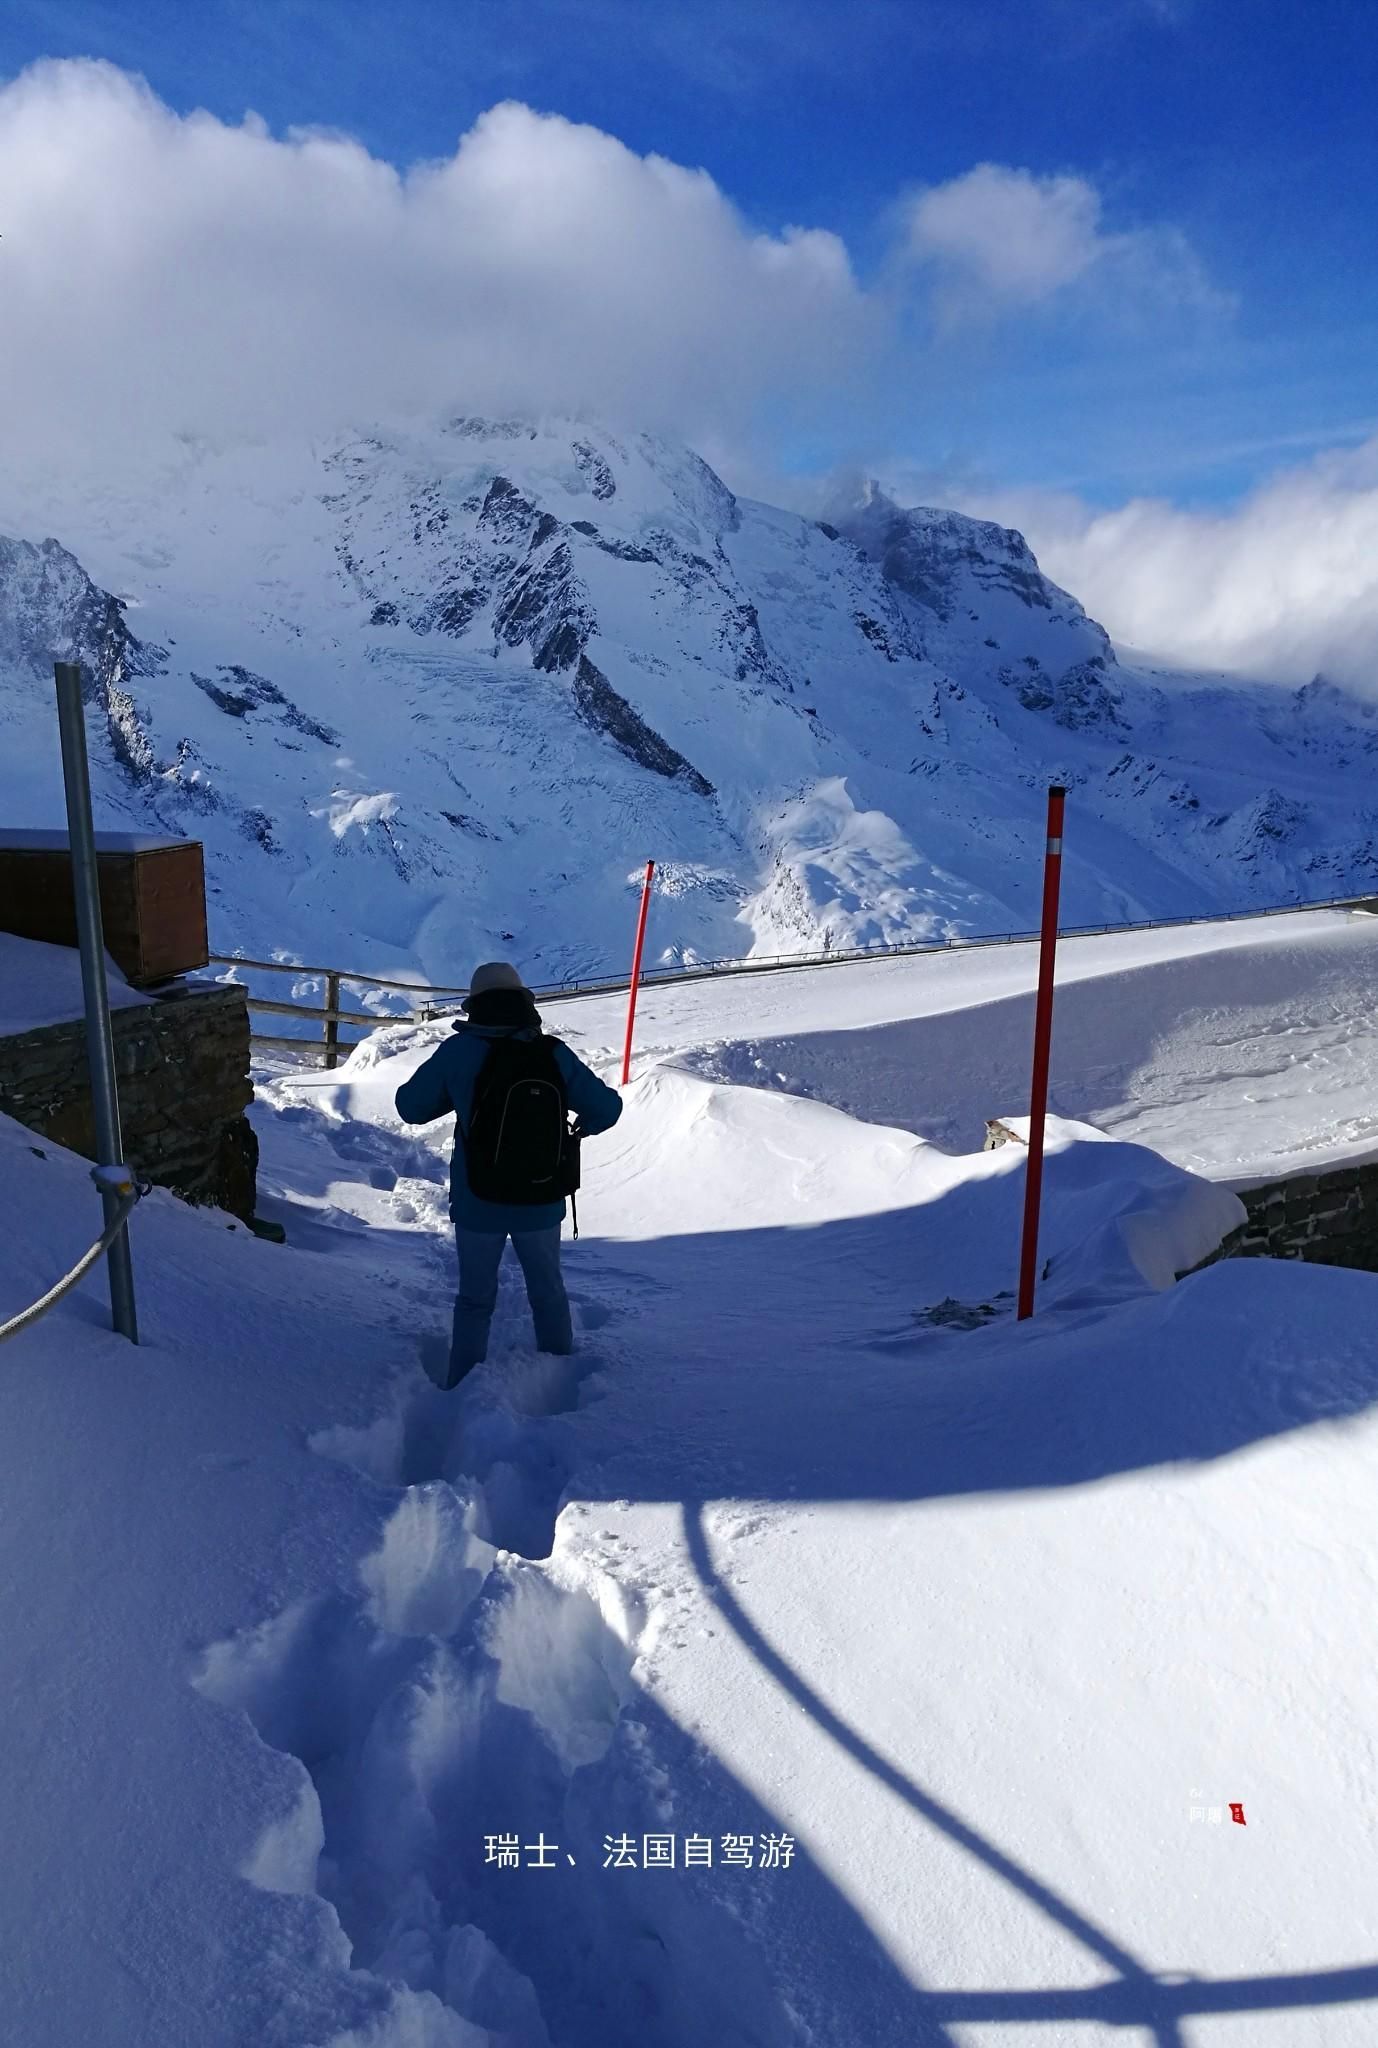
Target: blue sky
{"x": 1232, "y": 149}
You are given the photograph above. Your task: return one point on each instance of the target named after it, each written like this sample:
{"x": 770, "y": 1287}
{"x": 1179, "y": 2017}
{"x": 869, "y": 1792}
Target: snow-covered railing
{"x": 432, "y": 999}
{"x": 329, "y": 1012}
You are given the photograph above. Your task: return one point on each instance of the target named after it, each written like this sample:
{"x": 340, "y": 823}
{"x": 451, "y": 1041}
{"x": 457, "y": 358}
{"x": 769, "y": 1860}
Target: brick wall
{"x": 183, "y": 1070}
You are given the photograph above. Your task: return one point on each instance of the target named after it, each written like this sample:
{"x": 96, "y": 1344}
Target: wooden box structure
{"x": 152, "y": 898}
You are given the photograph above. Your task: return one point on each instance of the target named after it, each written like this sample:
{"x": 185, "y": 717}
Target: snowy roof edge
{"x": 42, "y": 840}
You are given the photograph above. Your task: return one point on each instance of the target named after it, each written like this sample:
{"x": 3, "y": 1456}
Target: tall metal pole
{"x": 100, "y": 1046}
{"x": 636, "y": 970}
{"x": 1043, "y": 1039}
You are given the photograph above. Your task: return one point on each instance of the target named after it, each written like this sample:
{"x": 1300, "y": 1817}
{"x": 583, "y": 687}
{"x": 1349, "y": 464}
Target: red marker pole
{"x": 636, "y": 971}
{"x": 1042, "y": 1047}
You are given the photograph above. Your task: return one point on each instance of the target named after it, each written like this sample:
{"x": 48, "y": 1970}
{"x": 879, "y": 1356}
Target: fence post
{"x": 636, "y": 971}
{"x": 332, "y": 1021}
{"x": 1043, "y": 1038}
{"x": 100, "y": 1045}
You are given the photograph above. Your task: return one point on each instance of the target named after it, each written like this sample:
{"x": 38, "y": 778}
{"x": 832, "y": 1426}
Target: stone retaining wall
{"x": 183, "y": 1069}
{"x": 1330, "y": 1218}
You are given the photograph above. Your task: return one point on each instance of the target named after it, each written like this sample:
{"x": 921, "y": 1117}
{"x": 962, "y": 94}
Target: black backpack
{"x": 520, "y": 1146}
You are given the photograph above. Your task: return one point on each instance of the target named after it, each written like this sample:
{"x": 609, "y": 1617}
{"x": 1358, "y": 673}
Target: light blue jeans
{"x": 480, "y": 1256}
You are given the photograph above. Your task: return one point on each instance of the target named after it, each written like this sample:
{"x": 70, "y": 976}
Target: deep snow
{"x": 809, "y": 1540}
{"x": 1238, "y": 1050}
{"x": 41, "y": 985}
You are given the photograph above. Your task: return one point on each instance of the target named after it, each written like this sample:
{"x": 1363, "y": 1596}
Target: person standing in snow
{"x": 512, "y": 1091}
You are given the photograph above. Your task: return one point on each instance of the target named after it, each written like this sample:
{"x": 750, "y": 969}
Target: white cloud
{"x": 1281, "y": 585}
{"x": 1016, "y": 236}
{"x": 165, "y": 274}
{"x": 160, "y": 273}
{"x": 1000, "y": 239}
{"x": 168, "y": 274}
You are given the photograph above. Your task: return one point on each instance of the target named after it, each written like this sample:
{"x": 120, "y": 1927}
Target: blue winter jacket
{"x": 444, "y": 1085}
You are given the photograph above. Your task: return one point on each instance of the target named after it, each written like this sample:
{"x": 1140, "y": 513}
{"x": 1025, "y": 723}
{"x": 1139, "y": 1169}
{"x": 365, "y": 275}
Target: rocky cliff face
{"x": 435, "y": 695}
{"x": 50, "y": 610}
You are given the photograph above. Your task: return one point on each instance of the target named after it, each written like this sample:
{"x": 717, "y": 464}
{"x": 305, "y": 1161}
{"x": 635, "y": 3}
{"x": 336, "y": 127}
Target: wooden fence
{"x": 329, "y": 1013}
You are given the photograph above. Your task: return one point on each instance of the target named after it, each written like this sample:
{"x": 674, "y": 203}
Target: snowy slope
{"x": 1240, "y": 1051}
{"x": 433, "y": 696}
{"x": 986, "y": 1621}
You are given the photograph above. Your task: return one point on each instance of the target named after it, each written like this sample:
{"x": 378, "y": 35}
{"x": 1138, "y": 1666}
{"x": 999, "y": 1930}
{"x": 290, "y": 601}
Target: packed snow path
{"x": 975, "y": 1617}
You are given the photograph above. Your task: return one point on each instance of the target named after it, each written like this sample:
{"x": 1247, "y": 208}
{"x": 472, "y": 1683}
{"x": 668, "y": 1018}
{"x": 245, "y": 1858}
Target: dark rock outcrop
{"x": 546, "y": 607}
{"x": 50, "y": 609}
{"x": 244, "y": 692}
{"x": 600, "y": 706}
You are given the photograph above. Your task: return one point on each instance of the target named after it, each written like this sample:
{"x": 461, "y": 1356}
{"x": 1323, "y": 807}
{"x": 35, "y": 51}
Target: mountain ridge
{"x": 428, "y": 695}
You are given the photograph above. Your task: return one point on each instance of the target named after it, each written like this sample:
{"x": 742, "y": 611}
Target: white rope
{"x": 129, "y": 1195}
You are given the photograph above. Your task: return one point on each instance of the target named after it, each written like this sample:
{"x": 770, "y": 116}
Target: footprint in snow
{"x": 592, "y": 1315}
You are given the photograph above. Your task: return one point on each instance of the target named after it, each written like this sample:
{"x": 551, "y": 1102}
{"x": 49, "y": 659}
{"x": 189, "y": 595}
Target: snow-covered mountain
{"x": 430, "y": 696}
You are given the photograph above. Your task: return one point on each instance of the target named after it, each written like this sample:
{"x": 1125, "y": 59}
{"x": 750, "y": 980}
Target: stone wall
{"x": 1330, "y": 1218}
{"x": 183, "y": 1069}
